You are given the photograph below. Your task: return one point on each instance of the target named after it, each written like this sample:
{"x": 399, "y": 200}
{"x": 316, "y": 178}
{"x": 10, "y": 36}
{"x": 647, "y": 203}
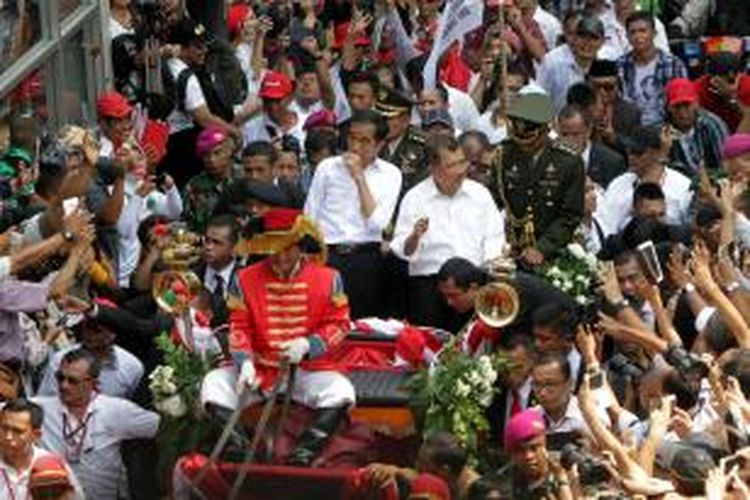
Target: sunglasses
{"x": 61, "y": 377}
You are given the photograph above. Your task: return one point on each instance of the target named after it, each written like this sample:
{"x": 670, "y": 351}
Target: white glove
{"x": 247, "y": 377}
{"x": 296, "y": 349}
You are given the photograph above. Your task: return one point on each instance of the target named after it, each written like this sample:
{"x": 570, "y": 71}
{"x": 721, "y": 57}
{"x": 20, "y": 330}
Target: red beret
{"x": 276, "y": 86}
{"x": 523, "y": 426}
{"x": 113, "y": 105}
{"x": 322, "y": 118}
{"x": 209, "y": 138}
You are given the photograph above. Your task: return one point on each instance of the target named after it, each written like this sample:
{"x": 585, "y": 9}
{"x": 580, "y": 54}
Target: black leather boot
{"x": 238, "y": 442}
{"x": 324, "y": 424}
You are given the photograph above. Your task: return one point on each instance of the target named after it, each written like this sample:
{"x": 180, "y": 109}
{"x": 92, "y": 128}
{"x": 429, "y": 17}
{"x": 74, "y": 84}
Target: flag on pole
{"x": 459, "y": 18}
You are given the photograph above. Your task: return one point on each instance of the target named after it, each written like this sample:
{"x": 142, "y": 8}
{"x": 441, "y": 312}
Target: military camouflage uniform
{"x": 543, "y": 197}
{"x": 200, "y": 198}
{"x": 409, "y": 156}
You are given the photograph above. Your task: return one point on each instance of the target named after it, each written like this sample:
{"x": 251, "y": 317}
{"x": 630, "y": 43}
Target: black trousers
{"x": 363, "y": 271}
{"x": 426, "y": 306}
{"x": 181, "y": 162}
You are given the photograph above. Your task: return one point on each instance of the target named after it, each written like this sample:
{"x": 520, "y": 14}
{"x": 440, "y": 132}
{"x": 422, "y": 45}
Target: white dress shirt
{"x": 467, "y": 224}
{"x": 94, "y": 451}
{"x": 462, "y": 109}
{"x": 262, "y": 128}
{"x": 119, "y": 376}
{"x": 551, "y": 27}
{"x": 333, "y": 201}
{"x": 14, "y": 484}
{"x": 558, "y": 71}
{"x": 572, "y": 420}
{"x": 194, "y": 98}
{"x": 615, "y": 208}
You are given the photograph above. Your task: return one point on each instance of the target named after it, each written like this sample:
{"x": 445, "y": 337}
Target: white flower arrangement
{"x": 454, "y": 393}
{"x": 573, "y": 272}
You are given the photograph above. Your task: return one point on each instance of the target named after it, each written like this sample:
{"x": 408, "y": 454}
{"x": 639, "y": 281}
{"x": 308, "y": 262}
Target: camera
{"x": 689, "y": 365}
{"x": 620, "y": 364}
{"x": 591, "y": 470}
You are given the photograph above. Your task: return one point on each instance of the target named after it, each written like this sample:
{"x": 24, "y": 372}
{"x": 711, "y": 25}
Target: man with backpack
{"x": 196, "y": 100}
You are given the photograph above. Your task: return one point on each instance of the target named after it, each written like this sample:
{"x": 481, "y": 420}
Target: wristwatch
{"x": 68, "y": 236}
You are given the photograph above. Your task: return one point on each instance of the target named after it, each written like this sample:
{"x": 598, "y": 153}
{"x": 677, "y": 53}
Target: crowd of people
{"x": 343, "y": 161}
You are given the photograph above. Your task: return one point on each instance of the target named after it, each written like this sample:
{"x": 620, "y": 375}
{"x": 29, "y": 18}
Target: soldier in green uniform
{"x": 404, "y": 144}
{"x": 539, "y": 183}
{"x": 204, "y": 191}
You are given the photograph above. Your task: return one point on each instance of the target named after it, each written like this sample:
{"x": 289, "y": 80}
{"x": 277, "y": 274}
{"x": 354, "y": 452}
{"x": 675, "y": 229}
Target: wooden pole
{"x": 503, "y": 63}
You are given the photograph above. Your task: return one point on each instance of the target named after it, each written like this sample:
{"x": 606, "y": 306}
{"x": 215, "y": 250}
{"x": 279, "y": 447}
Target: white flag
{"x": 459, "y": 18}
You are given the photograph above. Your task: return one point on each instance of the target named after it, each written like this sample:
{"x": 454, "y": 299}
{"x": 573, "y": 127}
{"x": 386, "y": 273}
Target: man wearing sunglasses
{"x": 88, "y": 428}
{"x": 540, "y": 183}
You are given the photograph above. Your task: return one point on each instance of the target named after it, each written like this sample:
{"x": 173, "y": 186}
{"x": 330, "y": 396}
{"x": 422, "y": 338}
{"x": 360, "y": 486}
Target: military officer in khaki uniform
{"x": 404, "y": 144}
{"x": 538, "y": 181}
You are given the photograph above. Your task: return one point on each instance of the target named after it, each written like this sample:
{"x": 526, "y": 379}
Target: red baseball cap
{"x": 113, "y": 105}
{"x": 49, "y": 471}
{"x": 276, "y": 86}
{"x": 236, "y": 17}
{"x": 339, "y": 36}
{"x": 681, "y": 91}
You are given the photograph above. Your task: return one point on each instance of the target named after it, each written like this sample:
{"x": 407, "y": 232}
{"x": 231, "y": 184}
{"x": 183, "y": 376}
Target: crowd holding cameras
{"x": 266, "y": 175}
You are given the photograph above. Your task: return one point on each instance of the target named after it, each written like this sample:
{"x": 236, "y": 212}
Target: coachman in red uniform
{"x": 291, "y": 307}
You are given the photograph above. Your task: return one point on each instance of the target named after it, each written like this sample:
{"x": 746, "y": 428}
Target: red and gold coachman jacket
{"x": 311, "y": 303}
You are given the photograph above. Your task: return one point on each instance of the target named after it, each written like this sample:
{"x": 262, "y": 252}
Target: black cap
{"x": 642, "y": 139}
{"x": 265, "y": 192}
{"x": 186, "y": 31}
{"x": 392, "y": 103}
{"x": 590, "y": 26}
{"x": 691, "y": 464}
{"x": 601, "y": 68}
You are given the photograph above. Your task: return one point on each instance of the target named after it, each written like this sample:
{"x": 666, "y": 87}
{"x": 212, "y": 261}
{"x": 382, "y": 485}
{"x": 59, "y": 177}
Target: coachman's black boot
{"x": 324, "y": 424}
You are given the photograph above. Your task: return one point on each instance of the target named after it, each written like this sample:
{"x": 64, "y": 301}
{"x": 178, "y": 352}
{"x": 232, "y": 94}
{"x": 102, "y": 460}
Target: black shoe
{"x": 324, "y": 424}
{"x": 238, "y": 442}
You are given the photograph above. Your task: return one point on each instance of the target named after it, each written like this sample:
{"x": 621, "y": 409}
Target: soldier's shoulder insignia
{"x": 561, "y": 146}
{"x": 417, "y": 136}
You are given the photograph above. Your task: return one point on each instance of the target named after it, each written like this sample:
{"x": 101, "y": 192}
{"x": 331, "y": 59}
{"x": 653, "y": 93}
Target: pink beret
{"x": 209, "y": 138}
{"x": 321, "y": 118}
{"x": 736, "y": 145}
{"x": 523, "y": 426}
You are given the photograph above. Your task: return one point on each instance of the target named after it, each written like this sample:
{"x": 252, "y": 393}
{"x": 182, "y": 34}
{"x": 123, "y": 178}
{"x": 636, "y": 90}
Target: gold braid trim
{"x": 528, "y": 237}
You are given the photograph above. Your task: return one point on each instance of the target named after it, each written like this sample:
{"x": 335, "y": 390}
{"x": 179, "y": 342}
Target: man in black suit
{"x": 218, "y": 268}
{"x": 601, "y": 162}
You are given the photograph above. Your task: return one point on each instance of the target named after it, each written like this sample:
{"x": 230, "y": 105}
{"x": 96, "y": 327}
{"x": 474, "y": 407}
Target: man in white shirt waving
{"x": 352, "y": 198}
{"x": 444, "y": 216}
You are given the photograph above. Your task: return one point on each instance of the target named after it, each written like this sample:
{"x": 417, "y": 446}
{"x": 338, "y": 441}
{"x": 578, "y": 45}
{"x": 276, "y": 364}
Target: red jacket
{"x": 310, "y": 304}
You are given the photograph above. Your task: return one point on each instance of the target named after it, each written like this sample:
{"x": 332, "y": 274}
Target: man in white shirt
{"x": 444, "y": 216}
{"x": 120, "y": 371}
{"x": 461, "y": 107}
{"x": 20, "y": 428}
{"x": 88, "y": 428}
{"x": 278, "y": 118}
{"x": 352, "y": 198}
{"x": 115, "y": 116}
{"x": 568, "y": 64}
{"x": 645, "y": 153}
{"x": 549, "y": 24}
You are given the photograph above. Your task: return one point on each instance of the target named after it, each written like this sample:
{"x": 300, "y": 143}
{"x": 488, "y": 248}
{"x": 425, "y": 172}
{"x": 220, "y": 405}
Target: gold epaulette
{"x": 561, "y": 146}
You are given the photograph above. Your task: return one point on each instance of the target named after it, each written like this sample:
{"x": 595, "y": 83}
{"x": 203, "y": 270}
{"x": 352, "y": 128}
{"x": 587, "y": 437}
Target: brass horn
{"x": 497, "y": 303}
